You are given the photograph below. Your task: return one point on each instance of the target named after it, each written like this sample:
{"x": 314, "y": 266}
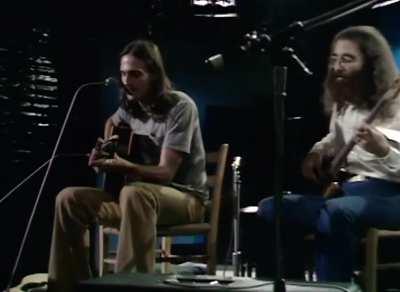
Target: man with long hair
{"x": 361, "y": 69}
{"x": 169, "y": 187}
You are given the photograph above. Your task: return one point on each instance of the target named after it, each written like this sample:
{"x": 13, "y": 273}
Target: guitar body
{"x": 122, "y": 143}
{"x": 335, "y": 169}
{"x": 332, "y": 190}
{"x": 330, "y": 186}
{"x": 136, "y": 148}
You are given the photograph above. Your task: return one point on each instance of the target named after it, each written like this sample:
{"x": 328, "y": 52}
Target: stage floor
{"x": 170, "y": 282}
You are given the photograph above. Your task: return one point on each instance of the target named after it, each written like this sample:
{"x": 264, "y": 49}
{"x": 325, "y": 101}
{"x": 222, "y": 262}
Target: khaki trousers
{"x": 140, "y": 208}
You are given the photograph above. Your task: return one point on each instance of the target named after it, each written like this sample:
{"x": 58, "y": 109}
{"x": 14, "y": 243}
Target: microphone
{"x": 291, "y": 52}
{"x": 262, "y": 41}
{"x": 384, "y": 3}
{"x": 255, "y": 39}
{"x": 109, "y": 81}
{"x": 216, "y": 61}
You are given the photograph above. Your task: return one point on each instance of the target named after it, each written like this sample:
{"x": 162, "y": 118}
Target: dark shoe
{"x": 35, "y": 287}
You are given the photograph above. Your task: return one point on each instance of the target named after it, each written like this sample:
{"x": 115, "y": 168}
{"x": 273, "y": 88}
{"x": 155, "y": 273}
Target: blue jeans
{"x": 338, "y": 223}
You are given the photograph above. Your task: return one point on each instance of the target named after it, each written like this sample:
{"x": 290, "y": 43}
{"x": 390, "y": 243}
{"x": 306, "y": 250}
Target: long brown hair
{"x": 149, "y": 53}
{"x": 380, "y": 67}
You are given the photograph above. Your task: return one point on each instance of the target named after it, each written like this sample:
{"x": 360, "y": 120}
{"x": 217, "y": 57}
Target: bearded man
{"x": 361, "y": 69}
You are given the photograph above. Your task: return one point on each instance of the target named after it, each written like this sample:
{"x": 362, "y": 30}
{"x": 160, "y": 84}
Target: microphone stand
{"x": 29, "y": 176}
{"x": 236, "y": 184}
{"x": 277, "y": 44}
{"x": 279, "y": 85}
{"x": 49, "y": 165}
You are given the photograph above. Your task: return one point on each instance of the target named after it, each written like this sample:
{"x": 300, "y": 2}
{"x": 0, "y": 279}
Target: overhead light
{"x": 384, "y": 3}
{"x": 223, "y": 3}
{"x": 215, "y": 8}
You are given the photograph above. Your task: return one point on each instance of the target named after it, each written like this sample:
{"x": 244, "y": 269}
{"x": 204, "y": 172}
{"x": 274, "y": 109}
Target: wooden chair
{"x": 372, "y": 265}
{"x": 208, "y": 228}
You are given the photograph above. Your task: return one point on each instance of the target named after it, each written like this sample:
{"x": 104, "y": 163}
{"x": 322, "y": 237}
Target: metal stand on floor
{"x": 236, "y": 183}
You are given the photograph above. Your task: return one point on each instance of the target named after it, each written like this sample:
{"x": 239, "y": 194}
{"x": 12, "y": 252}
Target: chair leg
{"x": 212, "y": 257}
{"x": 166, "y": 243}
{"x": 101, "y": 251}
{"x": 371, "y": 260}
{"x": 93, "y": 249}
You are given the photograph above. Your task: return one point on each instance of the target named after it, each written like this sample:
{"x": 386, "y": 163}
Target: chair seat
{"x": 178, "y": 259}
{"x": 388, "y": 233}
{"x": 165, "y": 230}
{"x": 185, "y": 229}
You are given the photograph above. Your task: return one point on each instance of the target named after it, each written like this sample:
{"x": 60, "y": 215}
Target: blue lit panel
{"x": 397, "y": 55}
{"x": 196, "y": 239}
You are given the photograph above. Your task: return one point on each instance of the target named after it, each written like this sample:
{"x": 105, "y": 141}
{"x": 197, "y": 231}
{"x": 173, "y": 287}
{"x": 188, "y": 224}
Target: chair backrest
{"x": 372, "y": 263}
{"x": 215, "y": 182}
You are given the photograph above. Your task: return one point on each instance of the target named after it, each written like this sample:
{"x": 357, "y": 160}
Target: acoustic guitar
{"x": 121, "y": 142}
{"x": 137, "y": 148}
{"x": 336, "y": 166}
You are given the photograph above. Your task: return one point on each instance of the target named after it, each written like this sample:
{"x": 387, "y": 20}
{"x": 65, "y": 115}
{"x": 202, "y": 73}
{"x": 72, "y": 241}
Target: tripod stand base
{"x": 236, "y": 262}
{"x": 279, "y": 285}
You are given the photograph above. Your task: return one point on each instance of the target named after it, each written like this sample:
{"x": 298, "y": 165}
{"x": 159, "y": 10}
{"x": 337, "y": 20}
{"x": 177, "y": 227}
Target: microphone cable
{"x": 49, "y": 165}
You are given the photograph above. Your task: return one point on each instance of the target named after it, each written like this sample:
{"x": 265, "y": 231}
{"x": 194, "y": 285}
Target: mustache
{"x": 346, "y": 79}
{"x": 128, "y": 91}
{"x": 339, "y": 75}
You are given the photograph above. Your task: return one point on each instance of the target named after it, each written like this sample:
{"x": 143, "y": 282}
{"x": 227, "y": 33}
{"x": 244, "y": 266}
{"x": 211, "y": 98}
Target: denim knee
{"x": 266, "y": 209}
{"x": 291, "y": 208}
{"x": 334, "y": 219}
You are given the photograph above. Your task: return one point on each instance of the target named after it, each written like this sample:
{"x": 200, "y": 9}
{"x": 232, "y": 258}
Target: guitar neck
{"x": 339, "y": 159}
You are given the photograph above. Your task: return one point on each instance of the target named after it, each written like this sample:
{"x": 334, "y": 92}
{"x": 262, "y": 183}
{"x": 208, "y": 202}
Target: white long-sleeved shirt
{"x": 343, "y": 126}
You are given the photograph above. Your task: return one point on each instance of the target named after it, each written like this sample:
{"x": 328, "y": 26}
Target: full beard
{"x": 353, "y": 89}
